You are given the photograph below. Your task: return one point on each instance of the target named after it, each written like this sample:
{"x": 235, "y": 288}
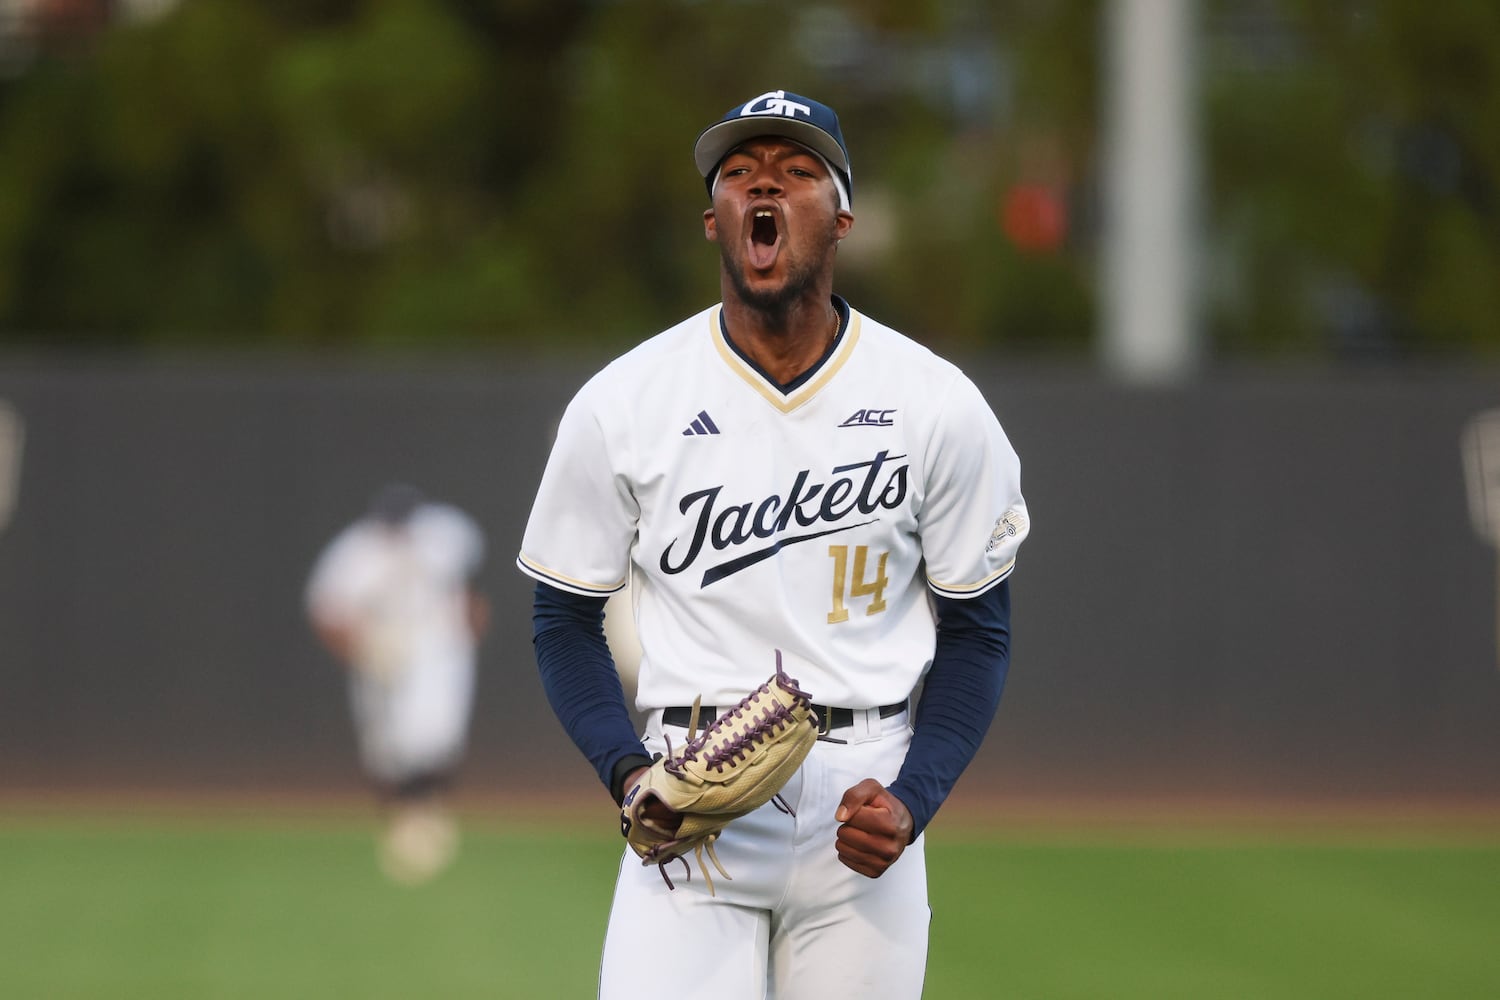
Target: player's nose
{"x": 764, "y": 181}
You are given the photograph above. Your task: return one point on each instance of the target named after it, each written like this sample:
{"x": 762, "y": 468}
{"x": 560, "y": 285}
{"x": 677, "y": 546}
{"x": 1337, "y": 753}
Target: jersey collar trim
{"x": 808, "y": 387}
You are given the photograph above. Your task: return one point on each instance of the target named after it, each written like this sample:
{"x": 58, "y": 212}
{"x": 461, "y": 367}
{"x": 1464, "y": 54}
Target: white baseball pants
{"x": 792, "y": 923}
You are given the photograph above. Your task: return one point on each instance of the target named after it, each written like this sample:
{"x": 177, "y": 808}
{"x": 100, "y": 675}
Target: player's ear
{"x": 843, "y": 224}
{"x": 710, "y": 226}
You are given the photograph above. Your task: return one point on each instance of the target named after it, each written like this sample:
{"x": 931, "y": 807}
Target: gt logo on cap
{"x": 775, "y": 104}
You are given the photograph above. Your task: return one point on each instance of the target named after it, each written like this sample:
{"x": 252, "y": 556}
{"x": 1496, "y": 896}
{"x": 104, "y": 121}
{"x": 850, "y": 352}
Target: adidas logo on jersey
{"x": 870, "y": 418}
{"x": 702, "y": 424}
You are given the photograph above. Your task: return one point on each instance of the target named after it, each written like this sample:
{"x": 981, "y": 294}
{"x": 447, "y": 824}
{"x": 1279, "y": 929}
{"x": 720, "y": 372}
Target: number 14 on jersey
{"x": 847, "y": 588}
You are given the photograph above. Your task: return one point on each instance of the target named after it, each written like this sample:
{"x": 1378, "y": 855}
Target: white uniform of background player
{"x": 391, "y": 596}
{"x": 815, "y": 518}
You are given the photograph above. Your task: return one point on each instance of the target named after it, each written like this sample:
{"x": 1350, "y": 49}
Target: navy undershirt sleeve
{"x": 960, "y": 696}
{"x": 578, "y": 674}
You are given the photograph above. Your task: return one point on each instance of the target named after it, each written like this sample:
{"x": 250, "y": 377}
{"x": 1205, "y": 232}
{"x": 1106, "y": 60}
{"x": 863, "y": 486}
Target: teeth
{"x": 764, "y": 213}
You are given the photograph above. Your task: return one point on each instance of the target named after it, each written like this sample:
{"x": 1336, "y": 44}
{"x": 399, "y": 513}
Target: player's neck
{"x": 784, "y": 343}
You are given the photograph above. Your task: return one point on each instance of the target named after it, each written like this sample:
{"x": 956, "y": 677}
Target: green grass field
{"x": 268, "y": 907}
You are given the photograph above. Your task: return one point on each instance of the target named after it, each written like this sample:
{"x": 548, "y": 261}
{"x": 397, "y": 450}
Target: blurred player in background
{"x": 392, "y": 597}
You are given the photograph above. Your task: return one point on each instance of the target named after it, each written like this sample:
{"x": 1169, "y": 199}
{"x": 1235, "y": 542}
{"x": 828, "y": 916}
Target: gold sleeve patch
{"x": 1008, "y": 525}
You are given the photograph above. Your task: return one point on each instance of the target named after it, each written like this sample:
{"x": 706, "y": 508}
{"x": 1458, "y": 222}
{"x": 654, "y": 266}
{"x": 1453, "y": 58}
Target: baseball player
{"x": 782, "y": 473}
{"x": 391, "y": 598}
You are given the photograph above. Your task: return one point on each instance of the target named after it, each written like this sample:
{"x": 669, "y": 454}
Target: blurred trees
{"x": 286, "y": 173}
{"x": 338, "y": 173}
{"x": 1352, "y": 162}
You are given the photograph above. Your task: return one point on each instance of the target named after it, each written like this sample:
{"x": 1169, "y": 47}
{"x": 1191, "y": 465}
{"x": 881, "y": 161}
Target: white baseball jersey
{"x": 811, "y": 521}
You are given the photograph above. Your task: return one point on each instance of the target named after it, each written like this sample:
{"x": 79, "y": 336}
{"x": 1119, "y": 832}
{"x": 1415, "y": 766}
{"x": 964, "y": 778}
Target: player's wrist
{"x": 624, "y": 768}
{"x": 916, "y": 809}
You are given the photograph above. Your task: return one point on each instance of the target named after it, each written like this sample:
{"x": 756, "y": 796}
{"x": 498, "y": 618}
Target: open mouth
{"x": 763, "y": 228}
{"x": 765, "y": 238}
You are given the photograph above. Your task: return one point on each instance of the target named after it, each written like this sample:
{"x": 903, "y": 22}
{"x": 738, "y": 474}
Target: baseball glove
{"x": 738, "y": 764}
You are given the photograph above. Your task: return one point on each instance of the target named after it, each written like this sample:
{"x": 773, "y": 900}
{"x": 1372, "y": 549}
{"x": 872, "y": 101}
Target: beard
{"x": 775, "y": 303}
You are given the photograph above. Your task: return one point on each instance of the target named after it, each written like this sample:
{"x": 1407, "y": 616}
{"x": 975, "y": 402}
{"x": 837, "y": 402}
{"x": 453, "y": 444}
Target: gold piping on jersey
{"x": 785, "y": 402}
{"x": 962, "y": 590}
{"x": 563, "y": 581}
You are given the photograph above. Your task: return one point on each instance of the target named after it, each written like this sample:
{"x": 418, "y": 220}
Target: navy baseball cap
{"x": 779, "y": 113}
